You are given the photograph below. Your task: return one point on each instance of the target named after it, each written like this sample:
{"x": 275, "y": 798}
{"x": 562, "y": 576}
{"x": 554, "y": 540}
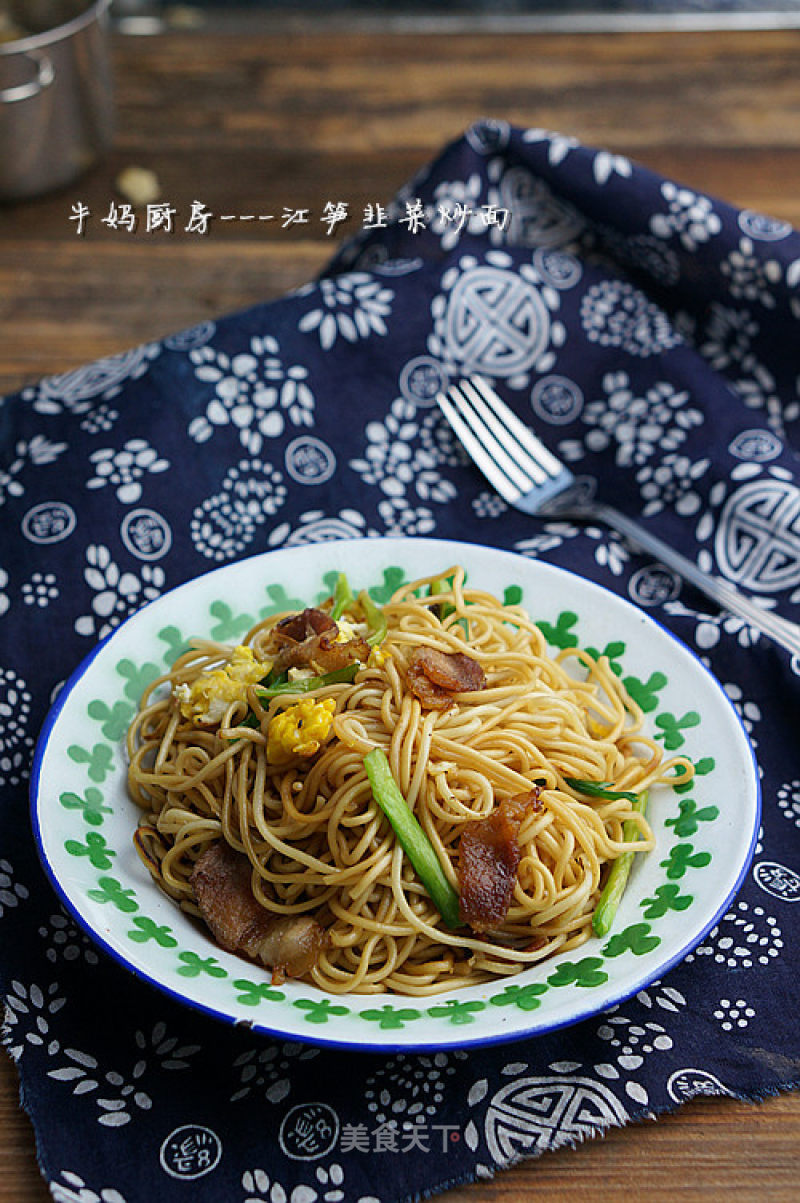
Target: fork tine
{"x": 543, "y": 458}
{"x": 506, "y": 478}
{"x": 480, "y": 444}
{"x": 502, "y": 423}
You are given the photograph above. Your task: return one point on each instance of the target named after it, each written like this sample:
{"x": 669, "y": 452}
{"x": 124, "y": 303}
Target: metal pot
{"x": 56, "y": 105}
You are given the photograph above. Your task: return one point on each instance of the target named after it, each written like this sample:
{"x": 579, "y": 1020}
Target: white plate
{"x": 83, "y": 819}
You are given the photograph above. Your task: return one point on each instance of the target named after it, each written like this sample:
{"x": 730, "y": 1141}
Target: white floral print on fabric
{"x": 405, "y": 452}
{"x": 408, "y": 1087}
{"x": 255, "y": 393}
{"x": 124, "y": 469}
{"x": 119, "y": 1097}
{"x": 614, "y": 313}
{"x": 789, "y": 801}
{"x": 267, "y": 1070}
{"x": 16, "y": 740}
{"x": 65, "y": 941}
{"x": 37, "y": 452}
{"x": 710, "y": 629}
{"x": 74, "y": 1189}
{"x": 224, "y": 524}
{"x": 744, "y": 937}
{"x": 352, "y": 307}
{"x": 641, "y": 427}
{"x": 733, "y": 1013}
{"x": 604, "y": 163}
{"x": 671, "y": 483}
{"x": 12, "y": 892}
{"x": 751, "y": 278}
{"x": 727, "y": 341}
{"x": 116, "y": 594}
{"x": 29, "y": 1011}
{"x": 689, "y": 217}
{"x": 326, "y": 1186}
{"x": 40, "y": 590}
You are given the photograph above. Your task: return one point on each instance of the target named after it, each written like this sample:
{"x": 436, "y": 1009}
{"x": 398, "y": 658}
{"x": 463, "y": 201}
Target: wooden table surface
{"x": 292, "y": 118}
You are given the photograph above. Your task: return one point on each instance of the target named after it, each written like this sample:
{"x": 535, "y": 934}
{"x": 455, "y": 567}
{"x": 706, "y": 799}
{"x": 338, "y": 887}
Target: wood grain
{"x": 250, "y": 125}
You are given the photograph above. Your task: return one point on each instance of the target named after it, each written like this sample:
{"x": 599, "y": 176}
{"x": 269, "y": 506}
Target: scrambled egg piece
{"x": 348, "y": 630}
{"x": 300, "y": 730}
{"x": 207, "y": 698}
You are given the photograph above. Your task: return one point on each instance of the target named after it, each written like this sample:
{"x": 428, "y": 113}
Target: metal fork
{"x": 531, "y": 478}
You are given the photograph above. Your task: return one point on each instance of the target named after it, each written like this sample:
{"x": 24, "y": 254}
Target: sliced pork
{"x": 435, "y": 676}
{"x": 488, "y": 860}
{"x": 221, "y": 881}
{"x": 310, "y": 639}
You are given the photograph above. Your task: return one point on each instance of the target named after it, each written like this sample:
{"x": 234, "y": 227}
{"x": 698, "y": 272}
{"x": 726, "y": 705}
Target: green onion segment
{"x": 611, "y": 895}
{"x": 309, "y": 684}
{"x": 414, "y": 841}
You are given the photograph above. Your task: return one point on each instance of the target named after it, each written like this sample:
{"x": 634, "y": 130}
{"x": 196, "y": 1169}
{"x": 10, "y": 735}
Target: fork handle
{"x": 779, "y": 629}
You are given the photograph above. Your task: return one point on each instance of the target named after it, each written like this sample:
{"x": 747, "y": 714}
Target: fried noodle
{"x": 319, "y": 845}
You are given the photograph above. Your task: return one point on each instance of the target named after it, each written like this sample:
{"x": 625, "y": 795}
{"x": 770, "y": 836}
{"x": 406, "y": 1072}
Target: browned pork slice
{"x": 310, "y": 639}
{"x": 488, "y": 860}
{"x": 434, "y": 676}
{"x": 221, "y": 881}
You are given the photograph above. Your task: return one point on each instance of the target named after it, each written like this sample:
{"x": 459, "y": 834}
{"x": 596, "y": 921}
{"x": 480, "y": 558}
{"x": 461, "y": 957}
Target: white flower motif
{"x": 671, "y": 483}
{"x": 632, "y": 1042}
{"x": 559, "y": 145}
{"x": 689, "y": 216}
{"x": 611, "y": 554}
{"x": 403, "y": 451}
{"x": 124, "y": 469}
{"x": 604, "y": 165}
{"x": 116, "y": 594}
{"x": 15, "y": 740}
{"x": 11, "y": 892}
{"x": 751, "y": 278}
{"x": 269, "y": 1069}
{"x": 38, "y": 451}
{"x": 401, "y": 519}
{"x": 641, "y": 427}
{"x": 73, "y": 1189}
{"x": 733, "y": 1014}
{"x": 67, "y": 941}
{"x": 614, "y": 313}
{"x": 488, "y": 505}
{"x": 788, "y": 801}
{"x": 254, "y": 393}
{"x": 353, "y": 306}
{"x": 226, "y": 522}
{"x": 28, "y": 1010}
{"x": 744, "y": 937}
{"x": 327, "y": 1186}
{"x": 710, "y": 628}
{"x": 728, "y": 338}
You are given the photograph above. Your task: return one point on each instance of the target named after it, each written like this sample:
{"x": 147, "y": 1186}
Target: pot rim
{"x": 38, "y": 41}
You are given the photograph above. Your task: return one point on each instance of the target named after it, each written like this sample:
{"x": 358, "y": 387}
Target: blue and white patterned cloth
{"x": 651, "y": 335}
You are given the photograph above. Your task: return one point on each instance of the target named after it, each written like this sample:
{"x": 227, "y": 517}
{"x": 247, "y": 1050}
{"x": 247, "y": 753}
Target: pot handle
{"x": 45, "y": 74}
